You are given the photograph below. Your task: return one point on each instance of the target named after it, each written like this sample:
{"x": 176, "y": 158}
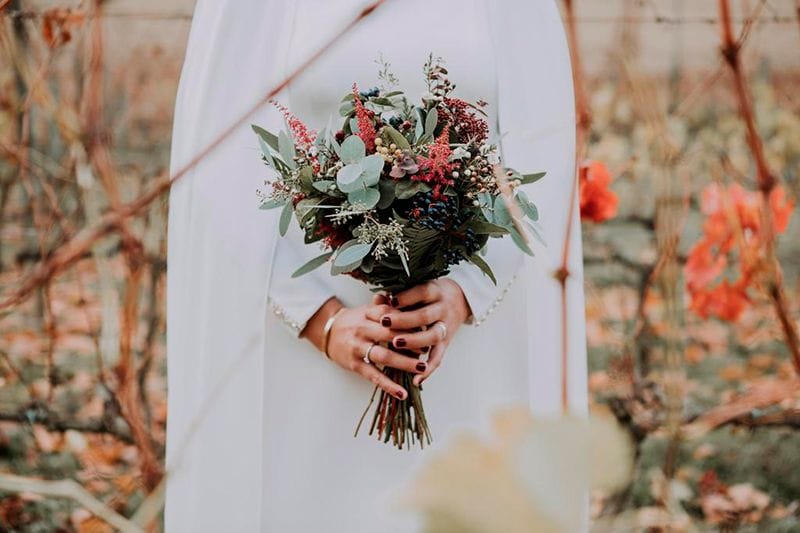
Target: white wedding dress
{"x": 260, "y": 433}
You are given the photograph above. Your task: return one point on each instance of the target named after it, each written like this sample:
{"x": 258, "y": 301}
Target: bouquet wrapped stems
{"x": 402, "y": 422}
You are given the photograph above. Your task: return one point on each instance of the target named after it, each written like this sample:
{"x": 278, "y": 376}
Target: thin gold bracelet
{"x": 326, "y": 332}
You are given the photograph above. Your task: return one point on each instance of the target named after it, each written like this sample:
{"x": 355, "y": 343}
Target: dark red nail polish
{"x": 400, "y": 395}
{"x": 394, "y": 301}
{"x": 386, "y": 322}
{"x": 400, "y": 343}
{"x": 421, "y": 366}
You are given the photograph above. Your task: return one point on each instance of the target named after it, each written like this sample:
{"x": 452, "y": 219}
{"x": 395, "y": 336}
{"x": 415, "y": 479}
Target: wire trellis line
{"x": 586, "y": 19}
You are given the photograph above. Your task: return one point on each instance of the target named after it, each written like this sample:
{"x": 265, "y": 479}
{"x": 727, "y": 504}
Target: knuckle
{"x": 377, "y": 355}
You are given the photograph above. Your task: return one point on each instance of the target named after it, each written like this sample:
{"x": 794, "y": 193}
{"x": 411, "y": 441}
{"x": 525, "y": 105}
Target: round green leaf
{"x": 527, "y": 206}
{"x": 501, "y": 215}
{"x": 371, "y": 168}
{"x": 368, "y": 198}
{"x": 352, "y": 149}
{"x": 349, "y": 178}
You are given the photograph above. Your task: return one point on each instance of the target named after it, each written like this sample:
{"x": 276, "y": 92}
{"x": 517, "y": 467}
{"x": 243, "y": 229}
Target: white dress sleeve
{"x": 481, "y": 293}
{"x": 295, "y": 300}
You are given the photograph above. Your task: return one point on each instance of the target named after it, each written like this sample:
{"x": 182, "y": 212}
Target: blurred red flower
{"x": 598, "y": 202}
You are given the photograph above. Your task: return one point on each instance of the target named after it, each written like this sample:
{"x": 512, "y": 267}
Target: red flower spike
{"x": 436, "y": 168}
{"x": 598, "y": 202}
{"x": 366, "y": 128}
{"x": 304, "y": 138}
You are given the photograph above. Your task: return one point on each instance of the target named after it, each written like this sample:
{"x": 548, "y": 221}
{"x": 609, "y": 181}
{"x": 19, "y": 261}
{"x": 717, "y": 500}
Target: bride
{"x": 260, "y": 421}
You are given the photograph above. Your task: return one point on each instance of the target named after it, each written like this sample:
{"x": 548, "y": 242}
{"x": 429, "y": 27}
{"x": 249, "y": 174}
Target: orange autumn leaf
{"x": 702, "y": 265}
{"x": 598, "y": 202}
{"x": 725, "y": 301}
{"x": 733, "y": 225}
{"x": 781, "y": 207}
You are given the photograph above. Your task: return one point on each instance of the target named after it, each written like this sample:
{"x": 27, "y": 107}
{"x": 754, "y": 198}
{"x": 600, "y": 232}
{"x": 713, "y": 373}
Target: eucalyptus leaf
{"x": 419, "y": 129}
{"x": 406, "y": 189}
{"x": 272, "y": 203}
{"x": 349, "y": 256}
{"x": 266, "y": 152}
{"x": 527, "y": 206}
{"x": 313, "y": 264}
{"x": 381, "y": 101}
{"x": 306, "y": 176}
{"x": 346, "y": 109}
{"x": 352, "y": 150}
{"x": 487, "y": 205}
{"x": 481, "y": 227}
{"x": 323, "y": 185}
{"x": 366, "y": 197}
{"x": 519, "y": 240}
{"x": 478, "y": 261}
{"x": 286, "y": 217}
{"x": 372, "y": 166}
{"x": 531, "y": 178}
{"x": 502, "y": 216}
{"x": 397, "y": 138}
{"x": 286, "y": 149}
{"x": 305, "y": 206}
{"x": 431, "y": 121}
{"x": 349, "y": 178}
{"x": 387, "y": 188}
{"x": 266, "y": 136}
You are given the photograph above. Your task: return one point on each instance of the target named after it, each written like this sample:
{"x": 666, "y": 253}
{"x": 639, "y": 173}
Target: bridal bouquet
{"x": 396, "y": 196}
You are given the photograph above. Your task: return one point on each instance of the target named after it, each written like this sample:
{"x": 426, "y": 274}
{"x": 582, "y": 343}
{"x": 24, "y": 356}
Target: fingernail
{"x": 386, "y": 322}
{"x": 394, "y": 301}
{"x": 400, "y": 343}
{"x": 421, "y": 366}
{"x": 401, "y": 395}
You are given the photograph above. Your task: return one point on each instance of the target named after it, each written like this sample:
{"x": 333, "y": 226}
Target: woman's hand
{"x": 351, "y": 336}
{"x": 439, "y": 306}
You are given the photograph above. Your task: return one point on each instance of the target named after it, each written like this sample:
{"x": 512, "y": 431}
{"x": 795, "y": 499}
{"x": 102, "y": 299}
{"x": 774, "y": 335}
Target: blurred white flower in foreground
{"x": 534, "y": 477}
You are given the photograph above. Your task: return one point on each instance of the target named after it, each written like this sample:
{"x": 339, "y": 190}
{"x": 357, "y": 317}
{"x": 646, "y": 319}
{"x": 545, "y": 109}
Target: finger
{"x": 421, "y": 339}
{"x": 381, "y": 380}
{"x": 413, "y": 319}
{"x": 434, "y": 362}
{"x": 421, "y": 294}
{"x": 377, "y": 312}
{"x": 374, "y": 332}
{"x": 380, "y": 299}
{"x": 384, "y": 356}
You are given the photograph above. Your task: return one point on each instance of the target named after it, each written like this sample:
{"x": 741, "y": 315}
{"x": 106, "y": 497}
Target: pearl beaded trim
{"x": 481, "y": 319}
{"x": 280, "y": 312}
